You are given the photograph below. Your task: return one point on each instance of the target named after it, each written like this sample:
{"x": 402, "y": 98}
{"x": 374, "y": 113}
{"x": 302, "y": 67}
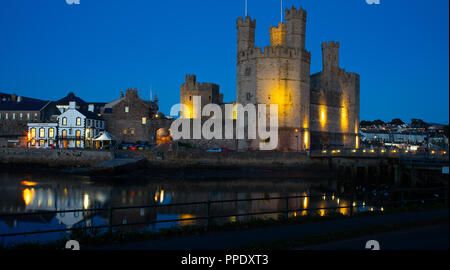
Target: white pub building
{"x": 74, "y": 129}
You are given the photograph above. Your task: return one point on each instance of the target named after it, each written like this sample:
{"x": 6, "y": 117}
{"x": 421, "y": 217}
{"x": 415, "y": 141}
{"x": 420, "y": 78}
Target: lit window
{"x": 78, "y": 121}
{"x": 14, "y": 116}
{"x": 125, "y": 131}
{"x": 6, "y": 116}
{"x": 35, "y": 116}
{"x": 144, "y": 120}
{"x": 64, "y": 121}
{"x": 28, "y": 116}
{"x": 21, "y": 115}
{"x": 64, "y": 133}
{"x": 51, "y": 133}
{"x": 41, "y": 133}
{"x": 131, "y": 131}
{"x": 78, "y": 134}
{"x": 78, "y": 144}
{"x": 33, "y": 133}
{"x": 127, "y": 109}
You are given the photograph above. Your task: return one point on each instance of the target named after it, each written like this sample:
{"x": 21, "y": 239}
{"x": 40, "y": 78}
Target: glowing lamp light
{"x": 86, "y": 201}
{"x": 28, "y": 183}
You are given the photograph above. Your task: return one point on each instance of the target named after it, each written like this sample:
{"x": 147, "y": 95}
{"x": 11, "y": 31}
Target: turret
{"x": 278, "y": 35}
{"x": 295, "y": 27}
{"x": 330, "y": 56}
{"x": 245, "y": 33}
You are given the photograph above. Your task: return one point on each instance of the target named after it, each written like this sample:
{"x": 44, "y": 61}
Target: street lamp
{"x": 296, "y": 135}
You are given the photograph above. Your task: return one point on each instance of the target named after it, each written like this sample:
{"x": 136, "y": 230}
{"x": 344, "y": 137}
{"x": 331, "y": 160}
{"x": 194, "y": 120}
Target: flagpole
{"x": 245, "y": 8}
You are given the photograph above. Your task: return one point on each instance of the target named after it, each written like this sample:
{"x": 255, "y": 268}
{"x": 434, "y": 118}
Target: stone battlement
{"x": 330, "y": 44}
{"x": 246, "y": 22}
{"x": 294, "y": 13}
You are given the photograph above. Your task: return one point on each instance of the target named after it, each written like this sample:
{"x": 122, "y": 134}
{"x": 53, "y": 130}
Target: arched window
{"x": 64, "y": 133}
{"x": 78, "y": 121}
{"x": 64, "y": 121}
{"x": 78, "y": 134}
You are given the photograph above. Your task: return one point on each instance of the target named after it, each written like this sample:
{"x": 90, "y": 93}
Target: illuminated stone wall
{"x": 208, "y": 92}
{"x": 277, "y": 74}
{"x": 334, "y": 110}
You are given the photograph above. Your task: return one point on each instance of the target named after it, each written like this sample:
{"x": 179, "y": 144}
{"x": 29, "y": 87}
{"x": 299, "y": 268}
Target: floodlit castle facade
{"x": 316, "y": 111}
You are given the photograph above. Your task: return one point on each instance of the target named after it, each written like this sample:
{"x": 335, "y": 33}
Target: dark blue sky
{"x": 101, "y": 47}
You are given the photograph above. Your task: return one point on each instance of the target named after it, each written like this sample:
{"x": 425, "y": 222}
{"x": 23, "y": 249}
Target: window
{"x": 78, "y": 134}
{"x": 64, "y": 121}
{"x": 124, "y": 132}
{"x": 21, "y": 116}
{"x": 248, "y": 96}
{"x": 89, "y": 122}
{"x": 51, "y": 133}
{"x": 127, "y": 109}
{"x": 144, "y": 120}
{"x": 6, "y": 116}
{"x": 131, "y": 131}
{"x": 35, "y": 116}
{"x": 88, "y": 133}
{"x": 14, "y": 116}
{"x": 28, "y": 116}
{"x": 78, "y": 144}
{"x": 78, "y": 121}
{"x": 41, "y": 133}
{"x": 64, "y": 133}
{"x": 33, "y": 133}
{"x": 190, "y": 98}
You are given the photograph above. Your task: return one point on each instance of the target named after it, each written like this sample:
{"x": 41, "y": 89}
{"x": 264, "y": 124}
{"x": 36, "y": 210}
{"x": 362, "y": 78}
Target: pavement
{"x": 435, "y": 237}
{"x": 298, "y": 232}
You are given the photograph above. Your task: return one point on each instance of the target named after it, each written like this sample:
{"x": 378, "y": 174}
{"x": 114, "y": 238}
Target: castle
{"x": 318, "y": 111}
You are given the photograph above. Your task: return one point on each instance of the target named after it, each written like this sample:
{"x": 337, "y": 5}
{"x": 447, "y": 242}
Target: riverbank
{"x": 183, "y": 164}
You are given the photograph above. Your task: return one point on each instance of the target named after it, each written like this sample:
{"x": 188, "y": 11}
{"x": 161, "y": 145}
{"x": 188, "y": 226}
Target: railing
{"x": 397, "y": 153}
{"x": 208, "y": 204}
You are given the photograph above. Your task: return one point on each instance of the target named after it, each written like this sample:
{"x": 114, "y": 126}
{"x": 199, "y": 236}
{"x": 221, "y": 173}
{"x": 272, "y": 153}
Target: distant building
{"x": 16, "y": 112}
{"x": 130, "y": 119}
{"x": 78, "y": 128}
{"x": 75, "y": 128}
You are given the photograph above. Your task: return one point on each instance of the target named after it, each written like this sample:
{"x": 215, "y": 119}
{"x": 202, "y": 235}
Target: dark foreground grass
{"x": 95, "y": 239}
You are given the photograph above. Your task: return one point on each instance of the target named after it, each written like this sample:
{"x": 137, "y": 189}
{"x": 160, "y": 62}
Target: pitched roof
{"x": 70, "y": 97}
{"x": 24, "y": 105}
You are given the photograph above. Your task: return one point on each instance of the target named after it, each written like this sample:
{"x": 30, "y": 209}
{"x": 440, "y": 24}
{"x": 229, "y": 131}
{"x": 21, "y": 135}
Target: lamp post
{"x": 296, "y": 135}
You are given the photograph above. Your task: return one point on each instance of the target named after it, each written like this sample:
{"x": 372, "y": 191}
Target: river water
{"x": 43, "y": 192}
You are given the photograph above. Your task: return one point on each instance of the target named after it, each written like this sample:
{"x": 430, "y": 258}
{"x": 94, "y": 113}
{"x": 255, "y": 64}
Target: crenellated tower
{"x": 295, "y": 28}
{"x": 277, "y": 74}
{"x": 245, "y": 33}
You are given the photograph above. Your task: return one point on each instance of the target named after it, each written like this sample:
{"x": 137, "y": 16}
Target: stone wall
{"x": 238, "y": 159}
{"x": 52, "y": 157}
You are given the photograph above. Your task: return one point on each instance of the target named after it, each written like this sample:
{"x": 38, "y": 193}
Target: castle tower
{"x": 278, "y": 35}
{"x": 279, "y": 74}
{"x": 245, "y": 33}
{"x": 330, "y": 56}
{"x": 296, "y": 28}
{"x": 208, "y": 92}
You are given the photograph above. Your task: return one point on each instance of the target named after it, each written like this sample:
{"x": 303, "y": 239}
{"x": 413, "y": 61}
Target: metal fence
{"x": 209, "y": 204}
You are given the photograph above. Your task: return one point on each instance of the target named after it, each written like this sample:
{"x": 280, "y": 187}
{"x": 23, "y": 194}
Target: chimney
{"x": 72, "y": 105}
{"x": 91, "y": 107}
{"x": 121, "y": 95}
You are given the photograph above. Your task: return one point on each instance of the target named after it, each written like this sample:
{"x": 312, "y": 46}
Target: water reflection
{"x": 42, "y": 193}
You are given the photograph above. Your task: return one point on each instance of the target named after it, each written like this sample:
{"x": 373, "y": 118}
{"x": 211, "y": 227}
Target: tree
{"x": 397, "y": 122}
{"x": 365, "y": 123}
{"x": 378, "y": 122}
{"x": 418, "y": 123}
